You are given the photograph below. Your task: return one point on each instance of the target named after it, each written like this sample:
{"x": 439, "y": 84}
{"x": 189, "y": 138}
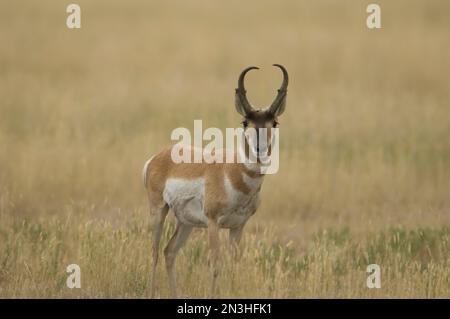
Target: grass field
{"x": 365, "y": 150}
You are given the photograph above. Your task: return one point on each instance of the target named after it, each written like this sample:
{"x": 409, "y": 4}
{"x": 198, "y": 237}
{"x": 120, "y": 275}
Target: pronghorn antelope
{"x": 217, "y": 195}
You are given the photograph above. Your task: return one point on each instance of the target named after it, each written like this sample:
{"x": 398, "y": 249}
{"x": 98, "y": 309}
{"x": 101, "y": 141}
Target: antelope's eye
{"x": 244, "y": 124}
{"x": 275, "y": 124}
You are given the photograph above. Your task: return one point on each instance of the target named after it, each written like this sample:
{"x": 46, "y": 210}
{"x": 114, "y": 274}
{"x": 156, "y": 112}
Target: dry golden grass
{"x": 365, "y": 147}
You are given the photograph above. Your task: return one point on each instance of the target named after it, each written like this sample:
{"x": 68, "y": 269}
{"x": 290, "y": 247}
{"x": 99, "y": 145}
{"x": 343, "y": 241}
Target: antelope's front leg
{"x": 235, "y": 236}
{"x": 214, "y": 246}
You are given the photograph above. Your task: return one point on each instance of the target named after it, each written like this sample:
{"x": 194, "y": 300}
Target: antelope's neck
{"x": 251, "y": 175}
{"x": 253, "y": 180}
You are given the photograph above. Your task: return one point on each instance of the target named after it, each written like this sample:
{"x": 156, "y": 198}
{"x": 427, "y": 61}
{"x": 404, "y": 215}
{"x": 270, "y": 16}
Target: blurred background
{"x": 364, "y": 140}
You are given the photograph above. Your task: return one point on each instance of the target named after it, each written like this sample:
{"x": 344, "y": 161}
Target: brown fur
{"x": 162, "y": 168}
{"x": 215, "y": 199}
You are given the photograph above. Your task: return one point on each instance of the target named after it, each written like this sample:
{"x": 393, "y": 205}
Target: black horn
{"x": 241, "y": 102}
{"x": 279, "y": 103}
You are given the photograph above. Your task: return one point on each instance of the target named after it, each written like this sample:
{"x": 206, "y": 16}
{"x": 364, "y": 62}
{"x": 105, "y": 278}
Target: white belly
{"x": 186, "y": 199}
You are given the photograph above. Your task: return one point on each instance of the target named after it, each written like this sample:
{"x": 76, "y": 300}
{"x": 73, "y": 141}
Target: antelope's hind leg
{"x": 187, "y": 211}
{"x": 177, "y": 241}
{"x": 159, "y": 214}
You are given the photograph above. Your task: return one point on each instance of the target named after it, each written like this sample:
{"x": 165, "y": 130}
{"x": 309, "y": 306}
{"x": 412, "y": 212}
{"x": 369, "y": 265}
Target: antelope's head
{"x": 259, "y": 123}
